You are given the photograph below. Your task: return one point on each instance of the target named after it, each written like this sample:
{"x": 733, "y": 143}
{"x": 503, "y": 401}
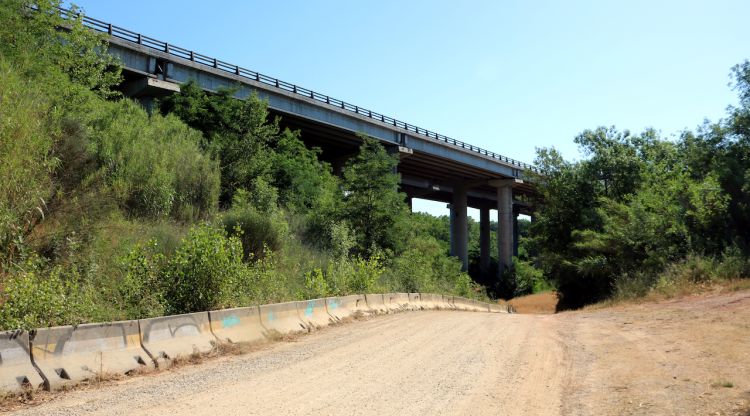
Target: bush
{"x": 258, "y": 224}
{"x": 141, "y": 291}
{"x": 345, "y": 276}
{"x": 154, "y": 164}
{"x": 528, "y": 278}
{"x": 27, "y": 162}
{"x": 30, "y": 300}
{"x": 424, "y": 267}
{"x": 203, "y": 271}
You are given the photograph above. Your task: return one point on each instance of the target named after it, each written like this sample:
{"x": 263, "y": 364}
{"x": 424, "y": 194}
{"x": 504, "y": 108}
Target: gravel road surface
{"x": 666, "y": 358}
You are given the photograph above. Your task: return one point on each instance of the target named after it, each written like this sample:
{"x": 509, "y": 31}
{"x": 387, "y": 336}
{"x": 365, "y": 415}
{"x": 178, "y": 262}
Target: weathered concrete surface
{"x": 237, "y": 325}
{"x": 281, "y": 318}
{"x": 67, "y": 354}
{"x": 342, "y": 307}
{"x": 396, "y": 301}
{"x": 314, "y": 313}
{"x": 376, "y": 303}
{"x": 169, "y": 337}
{"x": 16, "y": 370}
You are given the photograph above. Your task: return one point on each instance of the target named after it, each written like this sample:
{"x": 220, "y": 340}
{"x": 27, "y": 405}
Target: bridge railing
{"x": 130, "y": 36}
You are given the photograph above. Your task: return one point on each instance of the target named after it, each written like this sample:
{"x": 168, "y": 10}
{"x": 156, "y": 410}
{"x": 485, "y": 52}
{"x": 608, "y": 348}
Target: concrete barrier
{"x": 415, "y": 301}
{"x": 448, "y": 302}
{"x": 375, "y": 303}
{"x": 497, "y": 308}
{"x": 237, "y": 325}
{"x": 396, "y": 301}
{"x": 341, "y": 307}
{"x": 427, "y": 300}
{"x": 67, "y": 354}
{"x": 314, "y": 313}
{"x": 168, "y": 337}
{"x": 481, "y": 306}
{"x": 16, "y": 370}
{"x": 439, "y": 302}
{"x": 463, "y": 304}
{"x": 281, "y": 318}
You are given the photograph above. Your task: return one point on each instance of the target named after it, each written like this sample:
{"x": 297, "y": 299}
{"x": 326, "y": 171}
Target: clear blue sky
{"x": 509, "y": 76}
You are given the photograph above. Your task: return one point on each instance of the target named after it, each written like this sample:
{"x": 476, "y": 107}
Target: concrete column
{"x": 515, "y": 233}
{"x": 484, "y": 240}
{"x": 504, "y": 227}
{"x": 460, "y": 227}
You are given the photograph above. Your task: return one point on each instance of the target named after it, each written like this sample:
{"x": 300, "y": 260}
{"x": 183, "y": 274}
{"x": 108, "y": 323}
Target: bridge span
{"x": 432, "y": 166}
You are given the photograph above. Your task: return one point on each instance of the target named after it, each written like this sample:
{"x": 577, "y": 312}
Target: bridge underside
{"x": 430, "y": 169}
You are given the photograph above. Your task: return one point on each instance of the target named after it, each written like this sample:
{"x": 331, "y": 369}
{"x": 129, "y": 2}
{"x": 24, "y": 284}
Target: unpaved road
{"x": 669, "y": 358}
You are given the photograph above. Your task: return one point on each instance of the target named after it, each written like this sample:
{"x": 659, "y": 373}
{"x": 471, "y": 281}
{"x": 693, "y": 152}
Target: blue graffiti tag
{"x": 270, "y": 316}
{"x": 230, "y": 321}
{"x": 309, "y": 309}
{"x": 334, "y": 304}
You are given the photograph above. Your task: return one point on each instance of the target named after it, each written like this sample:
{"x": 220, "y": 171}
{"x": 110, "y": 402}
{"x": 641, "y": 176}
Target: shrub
{"x": 528, "y": 278}
{"x": 27, "y": 161}
{"x": 424, "y": 267}
{"x": 203, "y": 270}
{"x": 141, "y": 289}
{"x": 346, "y": 275}
{"x": 259, "y": 229}
{"x": 154, "y": 164}
{"x": 315, "y": 285}
{"x": 30, "y": 300}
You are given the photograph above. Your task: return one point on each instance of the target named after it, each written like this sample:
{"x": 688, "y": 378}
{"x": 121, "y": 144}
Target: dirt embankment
{"x": 688, "y": 356}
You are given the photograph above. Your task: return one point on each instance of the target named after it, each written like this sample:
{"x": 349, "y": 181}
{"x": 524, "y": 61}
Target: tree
{"x": 372, "y": 204}
{"x": 236, "y": 131}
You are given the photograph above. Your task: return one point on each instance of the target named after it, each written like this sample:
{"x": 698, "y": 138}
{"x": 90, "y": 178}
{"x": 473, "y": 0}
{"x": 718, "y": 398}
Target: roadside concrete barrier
{"x": 237, "y": 325}
{"x": 463, "y": 304}
{"x": 16, "y": 370}
{"x": 67, "y": 354}
{"x": 342, "y": 307}
{"x": 375, "y": 303}
{"x": 396, "y": 301}
{"x": 427, "y": 300}
{"x": 168, "y": 337}
{"x": 481, "y": 306}
{"x": 431, "y": 301}
{"x": 448, "y": 302}
{"x": 497, "y": 308}
{"x": 314, "y": 313}
{"x": 281, "y": 318}
{"x": 415, "y": 301}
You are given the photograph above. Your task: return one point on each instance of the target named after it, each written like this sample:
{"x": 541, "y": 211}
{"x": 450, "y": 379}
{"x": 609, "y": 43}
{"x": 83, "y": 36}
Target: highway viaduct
{"x": 432, "y": 166}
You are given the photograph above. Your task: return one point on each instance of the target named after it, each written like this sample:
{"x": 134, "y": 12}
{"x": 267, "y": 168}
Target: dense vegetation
{"x": 643, "y": 213}
{"x": 110, "y": 212}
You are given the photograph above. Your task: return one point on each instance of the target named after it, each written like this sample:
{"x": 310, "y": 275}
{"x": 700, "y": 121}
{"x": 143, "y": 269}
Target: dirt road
{"x": 672, "y": 358}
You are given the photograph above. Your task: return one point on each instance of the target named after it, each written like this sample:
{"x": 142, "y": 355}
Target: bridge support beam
{"x": 515, "y": 232}
{"x": 484, "y": 241}
{"x": 460, "y": 227}
{"x": 505, "y": 223}
{"x": 504, "y": 227}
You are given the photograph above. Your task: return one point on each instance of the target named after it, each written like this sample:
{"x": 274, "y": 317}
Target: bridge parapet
{"x": 117, "y": 32}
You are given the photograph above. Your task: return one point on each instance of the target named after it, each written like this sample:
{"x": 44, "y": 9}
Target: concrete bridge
{"x": 432, "y": 166}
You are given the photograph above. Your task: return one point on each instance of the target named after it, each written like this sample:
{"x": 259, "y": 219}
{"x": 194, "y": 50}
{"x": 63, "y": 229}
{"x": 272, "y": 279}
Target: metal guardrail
{"x": 128, "y": 35}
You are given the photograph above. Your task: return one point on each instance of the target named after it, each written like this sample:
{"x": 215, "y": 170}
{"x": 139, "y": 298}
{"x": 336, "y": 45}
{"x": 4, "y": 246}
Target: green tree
{"x": 372, "y": 204}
